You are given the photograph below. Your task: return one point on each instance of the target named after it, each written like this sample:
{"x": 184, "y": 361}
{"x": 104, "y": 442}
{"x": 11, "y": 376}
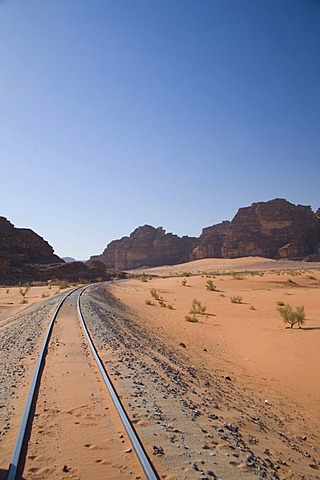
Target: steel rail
{"x": 134, "y": 439}
{"x": 13, "y": 468}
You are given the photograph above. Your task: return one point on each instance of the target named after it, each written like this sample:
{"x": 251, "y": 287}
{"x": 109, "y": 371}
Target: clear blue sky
{"x": 120, "y": 113}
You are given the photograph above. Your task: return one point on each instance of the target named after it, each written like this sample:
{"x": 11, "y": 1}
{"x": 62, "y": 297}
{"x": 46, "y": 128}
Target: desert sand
{"x": 12, "y": 302}
{"x": 235, "y": 395}
{"x": 251, "y": 334}
{"x": 247, "y": 342}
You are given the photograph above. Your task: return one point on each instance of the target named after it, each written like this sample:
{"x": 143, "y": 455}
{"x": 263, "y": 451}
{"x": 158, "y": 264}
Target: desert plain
{"x": 259, "y": 377}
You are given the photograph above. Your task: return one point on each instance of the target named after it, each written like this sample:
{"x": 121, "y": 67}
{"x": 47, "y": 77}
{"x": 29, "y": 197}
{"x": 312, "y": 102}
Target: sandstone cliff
{"x": 274, "y": 229}
{"x": 22, "y": 245}
{"x": 27, "y": 257}
{"x": 147, "y": 246}
{"x": 211, "y": 242}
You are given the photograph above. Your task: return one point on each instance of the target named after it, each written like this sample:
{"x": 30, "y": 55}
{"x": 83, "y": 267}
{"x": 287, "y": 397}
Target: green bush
{"x": 291, "y": 316}
{"x": 197, "y": 308}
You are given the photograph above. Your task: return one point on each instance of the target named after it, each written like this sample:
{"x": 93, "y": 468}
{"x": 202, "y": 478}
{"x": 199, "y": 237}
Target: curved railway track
{"x": 70, "y": 321}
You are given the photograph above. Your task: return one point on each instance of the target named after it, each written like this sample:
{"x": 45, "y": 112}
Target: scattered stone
{"x": 157, "y": 450}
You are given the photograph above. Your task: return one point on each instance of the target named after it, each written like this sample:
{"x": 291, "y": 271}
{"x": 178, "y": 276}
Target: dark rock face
{"x": 27, "y": 257}
{"x": 211, "y": 242}
{"x": 147, "y": 247}
{"x": 22, "y": 245}
{"x": 274, "y": 229}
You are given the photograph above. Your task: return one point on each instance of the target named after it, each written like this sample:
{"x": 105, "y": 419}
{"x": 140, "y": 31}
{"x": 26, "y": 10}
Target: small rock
{"x": 211, "y": 474}
{"x": 157, "y": 450}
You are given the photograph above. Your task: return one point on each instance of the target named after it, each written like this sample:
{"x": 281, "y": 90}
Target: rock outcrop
{"x": 147, "y": 247}
{"x": 27, "y": 257}
{"x": 211, "y": 242}
{"x": 274, "y": 229}
{"x": 22, "y": 245}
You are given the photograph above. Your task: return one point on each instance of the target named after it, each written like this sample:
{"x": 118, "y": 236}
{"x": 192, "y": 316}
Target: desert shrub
{"x": 63, "y": 284}
{"x": 170, "y": 306}
{"x": 143, "y": 278}
{"x": 183, "y": 283}
{"x": 300, "y": 315}
{"x": 236, "y": 299}
{"x": 148, "y": 302}
{"x": 252, "y": 308}
{"x": 7, "y": 290}
{"x": 210, "y": 286}
{"x": 237, "y": 276}
{"x": 23, "y": 301}
{"x": 291, "y": 316}
{"x": 154, "y": 294}
{"x": 162, "y": 304}
{"x": 191, "y": 319}
{"x": 197, "y": 308}
{"x": 24, "y": 290}
{"x": 280, "y": 303}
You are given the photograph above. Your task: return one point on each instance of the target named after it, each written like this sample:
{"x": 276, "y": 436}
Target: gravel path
{"x": 20, "y": 338}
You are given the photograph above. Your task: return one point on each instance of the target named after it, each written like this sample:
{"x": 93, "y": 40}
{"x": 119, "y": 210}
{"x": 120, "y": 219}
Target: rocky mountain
{"x": 210, "y": 241}
{"x": 27, "y": 257}
{"x": 274, "y": 229}
{"x": 147, "y": 246}
{"x": 24, "y": 246}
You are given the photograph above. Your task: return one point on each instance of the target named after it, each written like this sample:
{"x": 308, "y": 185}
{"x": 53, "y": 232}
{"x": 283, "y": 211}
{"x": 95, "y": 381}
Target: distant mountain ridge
{"x": 69, "y": 259}
{"x": 273, "y": 229}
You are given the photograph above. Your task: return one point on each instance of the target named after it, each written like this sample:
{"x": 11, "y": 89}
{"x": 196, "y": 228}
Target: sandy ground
{"x": 251, "y": 334}
{"x": 12, "y": 302}
{"x": 235, "y": 395}
{"x": 247, "y": 342}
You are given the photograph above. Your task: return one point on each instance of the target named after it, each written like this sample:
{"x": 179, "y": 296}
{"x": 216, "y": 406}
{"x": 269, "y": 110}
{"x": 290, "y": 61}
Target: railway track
{"x": 70, "y": 426}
